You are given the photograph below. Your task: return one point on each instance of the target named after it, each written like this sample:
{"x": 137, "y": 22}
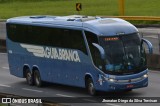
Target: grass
{"x": 3, "y": 104}
{"x": 142, "y": 7}
{"x": 13, "y": 8}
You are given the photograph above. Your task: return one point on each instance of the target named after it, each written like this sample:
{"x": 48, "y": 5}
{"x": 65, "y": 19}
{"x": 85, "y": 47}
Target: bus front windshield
{"x": 124, "y": 54}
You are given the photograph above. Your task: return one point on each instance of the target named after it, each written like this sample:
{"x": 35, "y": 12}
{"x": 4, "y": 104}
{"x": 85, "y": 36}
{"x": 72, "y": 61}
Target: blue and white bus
{"x": 99, "y": 54}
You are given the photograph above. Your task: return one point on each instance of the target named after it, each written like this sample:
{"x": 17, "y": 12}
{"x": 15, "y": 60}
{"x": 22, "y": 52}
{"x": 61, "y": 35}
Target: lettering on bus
{"x": 61, "y": 54}
{"x": 53, "y": 53}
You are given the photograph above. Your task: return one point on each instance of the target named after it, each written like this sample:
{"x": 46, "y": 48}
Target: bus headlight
{"x": 111, "y": 80}
{"x": 145, "y": 75}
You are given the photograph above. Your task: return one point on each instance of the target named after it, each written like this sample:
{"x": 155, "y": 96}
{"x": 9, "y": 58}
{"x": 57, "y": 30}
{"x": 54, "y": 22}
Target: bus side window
{"x": 92, "y": 38}
{"x": 47, "y": 36}
{"x": 78, "y": 41}
{"x": 16, "y": 32}
{"x": 67, "y": 38}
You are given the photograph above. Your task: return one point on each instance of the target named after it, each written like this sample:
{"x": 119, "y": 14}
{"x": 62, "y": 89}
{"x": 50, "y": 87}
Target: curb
{"x": 149, "y": 25}
{"x": 2, "y": 20}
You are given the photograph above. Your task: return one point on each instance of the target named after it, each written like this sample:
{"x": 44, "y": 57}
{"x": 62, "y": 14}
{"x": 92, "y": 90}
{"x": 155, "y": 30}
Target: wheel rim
{"x": 37, "y": 79}
{"x": 29, "y": 78}
{"x": 91, "y": 88}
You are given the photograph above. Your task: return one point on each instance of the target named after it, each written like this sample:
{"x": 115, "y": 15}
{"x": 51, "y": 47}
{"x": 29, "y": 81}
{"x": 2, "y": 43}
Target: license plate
{"x": 130, "y": 86}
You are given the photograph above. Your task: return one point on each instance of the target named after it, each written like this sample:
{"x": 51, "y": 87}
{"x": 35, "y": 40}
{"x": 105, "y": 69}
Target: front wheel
{"x": 90, "y": 87}
{"x": 37, "y": 78}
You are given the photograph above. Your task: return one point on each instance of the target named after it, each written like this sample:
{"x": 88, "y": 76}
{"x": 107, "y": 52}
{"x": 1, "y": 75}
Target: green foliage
{"x": 14, "y": 8}
{"x": 142, "y": 7}
{"x": 3, "y": 104}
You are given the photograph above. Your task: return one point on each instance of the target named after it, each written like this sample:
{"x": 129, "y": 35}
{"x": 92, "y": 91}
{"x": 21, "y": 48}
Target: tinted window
{"x": 57, "y": 37}
{"x": 92, "y": 38}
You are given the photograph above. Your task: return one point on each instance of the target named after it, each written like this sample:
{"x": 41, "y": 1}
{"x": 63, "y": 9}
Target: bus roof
{"x": 97, "y": 25}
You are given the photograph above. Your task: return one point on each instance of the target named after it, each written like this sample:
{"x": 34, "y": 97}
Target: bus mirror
{"x": 101, "y": 50}
{"x": 149, "y": 44}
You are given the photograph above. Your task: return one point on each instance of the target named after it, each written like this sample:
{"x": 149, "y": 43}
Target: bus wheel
{"x": 29, "y": 78}
{"x": 90, "y": 87}
{"x": 37, "y": 78}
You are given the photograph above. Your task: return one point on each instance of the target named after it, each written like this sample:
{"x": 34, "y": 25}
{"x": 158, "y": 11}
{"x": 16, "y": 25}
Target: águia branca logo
{"x": 53, "y": 53}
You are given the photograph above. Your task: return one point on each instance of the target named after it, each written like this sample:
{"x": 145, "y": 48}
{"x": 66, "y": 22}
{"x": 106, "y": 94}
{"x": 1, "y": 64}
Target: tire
{"x": 90, "y": 87}
{"x": 29, "y": 77}
{"x": 37, "y": 78}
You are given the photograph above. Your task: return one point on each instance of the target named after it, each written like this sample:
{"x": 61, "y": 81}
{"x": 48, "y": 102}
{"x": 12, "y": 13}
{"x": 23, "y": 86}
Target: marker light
{"x": 145, "y": 75}
{"x": 111, "y": 39}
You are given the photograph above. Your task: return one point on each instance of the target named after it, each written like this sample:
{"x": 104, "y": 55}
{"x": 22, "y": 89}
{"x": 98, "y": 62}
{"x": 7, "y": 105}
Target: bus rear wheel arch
{"x": 90, "y": 86}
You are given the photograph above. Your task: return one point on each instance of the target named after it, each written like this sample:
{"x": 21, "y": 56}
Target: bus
{"x": 99, "y": 54}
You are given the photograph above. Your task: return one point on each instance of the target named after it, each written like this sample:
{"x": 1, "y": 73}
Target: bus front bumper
{"x": 126, "y": 82}
{"x": 116, "y": 86}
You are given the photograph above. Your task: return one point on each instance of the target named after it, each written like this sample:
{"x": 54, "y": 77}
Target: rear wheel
{"x": 37, "y": 78}
{"x": 29, "y": 77}
{"x": 90, "y": 87}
